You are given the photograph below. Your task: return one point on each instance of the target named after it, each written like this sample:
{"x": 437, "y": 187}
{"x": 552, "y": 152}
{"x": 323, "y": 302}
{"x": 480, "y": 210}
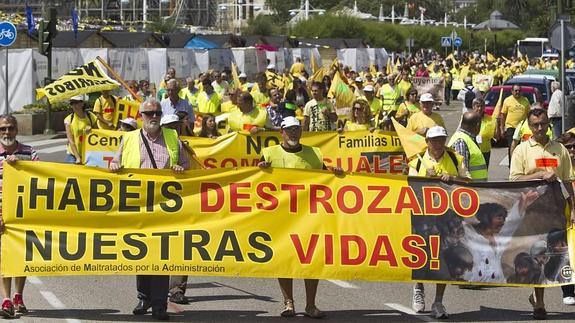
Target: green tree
{"x": 263, "y": 25}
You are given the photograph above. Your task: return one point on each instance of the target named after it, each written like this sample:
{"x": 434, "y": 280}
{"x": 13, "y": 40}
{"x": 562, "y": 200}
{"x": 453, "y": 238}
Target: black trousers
{"x": 154, "y": 289}
{"x": 568, "y": 290}
{"x": 487, "y": 157}
{"x": 509, "y": 136}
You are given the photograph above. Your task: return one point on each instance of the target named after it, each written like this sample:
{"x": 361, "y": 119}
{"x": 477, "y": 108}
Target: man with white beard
{"x": 11, "y": 151}
{"x": 151, "y": 147}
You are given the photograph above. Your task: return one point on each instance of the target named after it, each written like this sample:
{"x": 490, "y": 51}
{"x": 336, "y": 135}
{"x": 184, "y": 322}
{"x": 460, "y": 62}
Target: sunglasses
{"x": 570, "y": 146}
{"x": 9, "y": 128}
{"x": 157, "y": 113}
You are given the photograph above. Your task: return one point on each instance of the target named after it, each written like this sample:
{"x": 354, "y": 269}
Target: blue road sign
{"x": 457, "y": 42}
{"x": 445, "y": 41}
{"x": 7, "y": 33}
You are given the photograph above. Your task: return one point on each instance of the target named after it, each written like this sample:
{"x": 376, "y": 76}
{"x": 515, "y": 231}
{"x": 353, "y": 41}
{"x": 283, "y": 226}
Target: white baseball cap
{"x": 77, "y": 98}
{"x": 242, "y": 74}
{"x": 130, "y": 122}
{"x": 426, "y": 97}
{"x": 368, "y": 88}
{"x": 436, "y": 131}
{"x": 271, "y": 66}
{"x": 290, "y": 122}
{"x": 359, "y": 79}
{"x": 169, "y": 118}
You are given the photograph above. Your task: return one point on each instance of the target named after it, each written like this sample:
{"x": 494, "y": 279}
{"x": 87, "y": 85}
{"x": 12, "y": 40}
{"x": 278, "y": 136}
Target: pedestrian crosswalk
{"x": 47, "y": 146}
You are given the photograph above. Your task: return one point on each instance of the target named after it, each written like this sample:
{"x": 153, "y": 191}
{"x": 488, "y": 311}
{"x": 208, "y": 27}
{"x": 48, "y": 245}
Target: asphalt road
{"x": 212, "y": 299}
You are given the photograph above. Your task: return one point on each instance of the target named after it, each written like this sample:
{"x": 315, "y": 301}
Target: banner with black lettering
{"x": 80, "y": 220}
{"x": 356, "y": 151}
{"x": 88, "y": 78}
{"x": 433, "y": 85}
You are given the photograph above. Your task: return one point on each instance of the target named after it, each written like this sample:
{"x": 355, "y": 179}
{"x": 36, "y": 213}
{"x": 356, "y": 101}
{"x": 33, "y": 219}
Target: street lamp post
{"x": 306, "y": 8}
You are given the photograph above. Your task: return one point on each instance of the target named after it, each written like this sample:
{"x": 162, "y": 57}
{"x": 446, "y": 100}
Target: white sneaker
{"x": 438, "y": 311}
{"x": 418, "y": 302}
{"x": 569, "y": 300}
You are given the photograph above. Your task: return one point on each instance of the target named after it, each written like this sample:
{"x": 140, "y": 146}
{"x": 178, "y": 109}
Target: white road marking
{"x": 51, "y": 298}
{"x": 408, "y": 311}
{"x": 342, "y": 283}
{"x": 39, "y": 143}
{"x": 34, "y": 280}
{"x": 51, "y": 149}
{"x": 504, "y": 161}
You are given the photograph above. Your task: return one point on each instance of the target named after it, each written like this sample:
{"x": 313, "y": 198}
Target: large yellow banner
{"x": 359, "y": 151}
{"x": 249, "y": 222}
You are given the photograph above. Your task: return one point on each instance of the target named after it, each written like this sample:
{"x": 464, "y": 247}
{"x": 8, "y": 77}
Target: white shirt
{"x": 461, "y": 96}
{"x": 555, "y": 104}
{"x": 487, "y": 258}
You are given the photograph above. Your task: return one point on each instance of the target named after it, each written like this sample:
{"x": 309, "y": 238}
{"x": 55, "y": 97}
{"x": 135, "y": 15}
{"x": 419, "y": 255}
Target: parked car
{"x": 541, "y": 82}
{"x": 493, "y": 95}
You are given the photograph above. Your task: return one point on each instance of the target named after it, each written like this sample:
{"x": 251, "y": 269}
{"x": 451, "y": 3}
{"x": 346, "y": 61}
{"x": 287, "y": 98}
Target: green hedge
{"x": 393, "y": 36}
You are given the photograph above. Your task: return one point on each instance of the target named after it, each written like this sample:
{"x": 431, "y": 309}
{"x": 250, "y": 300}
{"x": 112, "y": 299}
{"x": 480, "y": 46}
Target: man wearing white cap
{"x": 442, "y": 162}
{"x": 359, "y": 88}
{"x": 375, "y": 104}
{"x": 421, "y": 121}
{"x": 243, "y": 77}
{"x": 271, "y": 67}
{"x": 291, "y": 154}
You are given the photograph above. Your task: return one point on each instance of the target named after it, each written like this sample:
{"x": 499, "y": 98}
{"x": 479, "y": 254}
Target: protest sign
{"x": 82, "y": 220}
{"x": 357, "y": 151}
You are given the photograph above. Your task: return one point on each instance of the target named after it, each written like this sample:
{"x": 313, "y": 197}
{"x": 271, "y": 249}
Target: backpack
{"x": 469, "y": 96}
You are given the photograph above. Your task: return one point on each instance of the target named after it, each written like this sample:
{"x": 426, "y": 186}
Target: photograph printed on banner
{"x": 517, "y": 236}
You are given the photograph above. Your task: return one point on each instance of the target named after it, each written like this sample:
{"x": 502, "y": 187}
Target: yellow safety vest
{"x": 209, "y": 104}
{"x": 390, "y": 97}
{"x": 307, "y": 158}
{"x": 131, "y": 150}
{"x": 477, "y": 165}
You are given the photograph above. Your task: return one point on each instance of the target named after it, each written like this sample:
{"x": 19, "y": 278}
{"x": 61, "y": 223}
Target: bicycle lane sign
{"x": 7, "y": 33}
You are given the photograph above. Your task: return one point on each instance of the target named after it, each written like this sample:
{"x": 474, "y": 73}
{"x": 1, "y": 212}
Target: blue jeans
{"x": 70, "y": 159}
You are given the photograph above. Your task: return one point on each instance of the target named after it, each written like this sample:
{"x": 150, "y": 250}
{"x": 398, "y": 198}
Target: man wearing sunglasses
{"x": 11, "y": 151}
{"x": 152, "y": 146}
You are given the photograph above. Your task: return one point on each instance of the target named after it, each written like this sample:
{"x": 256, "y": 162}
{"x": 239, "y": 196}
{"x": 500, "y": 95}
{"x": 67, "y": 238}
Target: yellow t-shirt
{"x": 420, "y": 120}
{"x": 78, "y": 126}
{"x": 531, "y": 157}
{"x": 411, "y": 108}
{"x": 106, "y": 107}
{"x": 487, "y": 133}
{"x": 239, "y": 121}
{"x": 516, "y": 110}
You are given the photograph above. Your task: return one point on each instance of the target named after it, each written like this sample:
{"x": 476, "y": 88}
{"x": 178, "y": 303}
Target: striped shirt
{"x": 22, "y": 152}
{"x": 159, "y": 151}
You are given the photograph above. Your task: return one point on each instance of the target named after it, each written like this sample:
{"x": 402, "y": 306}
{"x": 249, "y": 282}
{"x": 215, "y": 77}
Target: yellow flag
{"x": 397, "y": 66}
{"x": 431, "y": 66}
{"x": 313, "y": 64}
{"x": 235, "y": 77}
{"x": 274, "y": 80}
{"x": 372, "y": 69}
{"x": 490, "y": 57}
{"x": 411, "y": 142}
{"x": 88, "y": 78}
{"x": 388, "y": 68}
{"x": 341, "y": 92}
{"x": 319, "y": 74}
{"x": 498, "y": 106}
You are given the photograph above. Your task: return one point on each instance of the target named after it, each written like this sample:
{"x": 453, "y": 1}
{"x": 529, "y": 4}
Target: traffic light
{"x": 46, "y": 33}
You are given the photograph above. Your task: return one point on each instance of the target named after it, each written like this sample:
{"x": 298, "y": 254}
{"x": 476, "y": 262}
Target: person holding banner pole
{"x": 442, "y": 162}
{"x": 10, "y": 152}
{"x": 541, "y": 158}
{"x": 291, "y": 154}
{"x": 158, "y": 148}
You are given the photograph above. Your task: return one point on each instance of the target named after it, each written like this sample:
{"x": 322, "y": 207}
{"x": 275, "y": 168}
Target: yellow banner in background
{"x": 357, "y": 151}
